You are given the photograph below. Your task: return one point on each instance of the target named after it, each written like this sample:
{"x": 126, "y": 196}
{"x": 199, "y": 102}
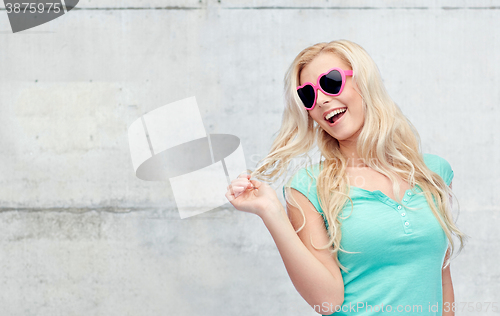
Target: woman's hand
{"x": 252, "y": 196}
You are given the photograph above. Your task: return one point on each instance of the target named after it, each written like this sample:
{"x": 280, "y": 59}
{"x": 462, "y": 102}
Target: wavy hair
{"x": 387, "y": 143}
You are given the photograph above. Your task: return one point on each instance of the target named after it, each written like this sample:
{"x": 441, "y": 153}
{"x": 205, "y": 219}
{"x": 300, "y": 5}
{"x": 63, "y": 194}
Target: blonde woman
{"x": 368, "y": 228}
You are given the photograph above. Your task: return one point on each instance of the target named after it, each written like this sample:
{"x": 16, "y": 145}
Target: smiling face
{"x": 346, "y": 126}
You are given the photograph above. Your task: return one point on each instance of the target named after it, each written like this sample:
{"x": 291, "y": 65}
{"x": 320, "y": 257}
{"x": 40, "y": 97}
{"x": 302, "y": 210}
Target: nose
{"x": 323, "y": 98}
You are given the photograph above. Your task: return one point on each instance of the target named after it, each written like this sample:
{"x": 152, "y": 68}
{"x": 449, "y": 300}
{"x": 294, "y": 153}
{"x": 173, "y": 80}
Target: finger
{"x": 238, "y": 186}
{"x": 237, "y": 189}
{"x": 242, "y": 182}
{"x": 230, "y": 190}
{"x": 239, "y": 181}
{"x": 229, "y": 196}
{"x": 256, "y": 184}
{"x": 243, "y": 175}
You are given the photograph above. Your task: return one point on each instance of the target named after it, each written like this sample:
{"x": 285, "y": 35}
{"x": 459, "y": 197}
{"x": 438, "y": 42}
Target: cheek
{"x": 360, "y": 111}
{"x": 356, "y": 105}
{"x": 315, "y": 116}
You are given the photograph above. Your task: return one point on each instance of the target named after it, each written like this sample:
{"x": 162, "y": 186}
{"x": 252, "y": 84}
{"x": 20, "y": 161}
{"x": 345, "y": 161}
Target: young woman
{"x": 367, "y": 229}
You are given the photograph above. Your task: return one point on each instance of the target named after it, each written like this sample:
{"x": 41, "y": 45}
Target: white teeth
{"x": 332, "y": 114}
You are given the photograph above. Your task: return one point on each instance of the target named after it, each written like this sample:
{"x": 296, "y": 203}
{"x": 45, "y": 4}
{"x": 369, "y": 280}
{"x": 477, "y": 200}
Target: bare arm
{"x": 448, "y": 293}
{"x": 314, "y": 273}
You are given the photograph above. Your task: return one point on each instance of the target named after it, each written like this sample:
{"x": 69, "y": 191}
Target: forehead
{"x": 320, "y": 64}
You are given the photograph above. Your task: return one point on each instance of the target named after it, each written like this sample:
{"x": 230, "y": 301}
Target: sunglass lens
{"x": 306, "y": 94}
{"x": 331, "y": 82}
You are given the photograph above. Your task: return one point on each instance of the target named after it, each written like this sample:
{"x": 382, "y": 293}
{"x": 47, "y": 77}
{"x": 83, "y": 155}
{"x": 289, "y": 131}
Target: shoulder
{"x": 304, "y": 181}
{"x": 440, "y": 166}
{"x": 305, "y": 177}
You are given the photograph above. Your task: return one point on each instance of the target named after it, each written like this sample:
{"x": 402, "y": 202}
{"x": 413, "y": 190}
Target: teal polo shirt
{"x": 400, "y": 251}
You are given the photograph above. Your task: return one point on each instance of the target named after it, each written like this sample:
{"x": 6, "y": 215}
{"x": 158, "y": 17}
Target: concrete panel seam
{"x": 117, "y": 210}
{"x": 284, "y": 8}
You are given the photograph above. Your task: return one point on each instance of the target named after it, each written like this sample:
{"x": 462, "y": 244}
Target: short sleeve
{"x": 304, "y": 181}
{"x": 446, "y": 171}
{"x": 440, "y": 166}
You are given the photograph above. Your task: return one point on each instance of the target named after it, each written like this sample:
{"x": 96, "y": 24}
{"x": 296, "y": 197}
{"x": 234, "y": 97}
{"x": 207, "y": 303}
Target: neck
{"x": 348, "y": 149}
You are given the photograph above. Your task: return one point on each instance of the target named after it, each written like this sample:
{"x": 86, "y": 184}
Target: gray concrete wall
{"x": 81, "y": 235}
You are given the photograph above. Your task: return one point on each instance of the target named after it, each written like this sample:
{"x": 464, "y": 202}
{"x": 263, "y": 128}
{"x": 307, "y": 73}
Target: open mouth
{"x": 334, "y": 116}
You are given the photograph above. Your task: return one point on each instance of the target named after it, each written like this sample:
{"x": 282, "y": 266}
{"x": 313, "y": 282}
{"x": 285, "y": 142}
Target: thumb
{"x": 244, "y": 175}
{"x": 256, "y": 184}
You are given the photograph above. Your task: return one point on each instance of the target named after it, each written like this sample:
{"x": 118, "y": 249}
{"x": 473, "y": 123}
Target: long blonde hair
{"x": 388, "y": 143}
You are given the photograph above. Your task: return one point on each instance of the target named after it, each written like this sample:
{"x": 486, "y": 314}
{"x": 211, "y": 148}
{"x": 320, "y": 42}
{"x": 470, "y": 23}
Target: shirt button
{"x": 406, "y": 223}
{"x": 409, "y": 193}
{"x": 403, "y": 214}
{"x": 404, "y": 200}
{"x": 399, "y": 207}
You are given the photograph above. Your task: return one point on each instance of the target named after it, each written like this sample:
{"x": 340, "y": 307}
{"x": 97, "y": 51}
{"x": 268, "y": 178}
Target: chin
{"x": 340, "y": 136}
